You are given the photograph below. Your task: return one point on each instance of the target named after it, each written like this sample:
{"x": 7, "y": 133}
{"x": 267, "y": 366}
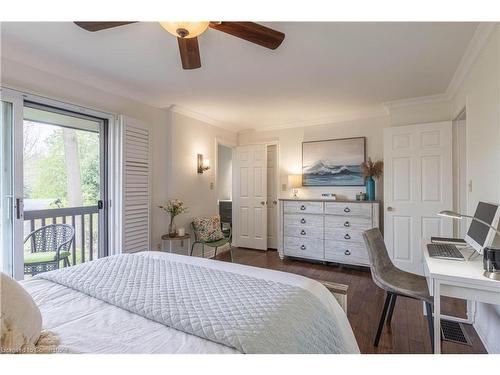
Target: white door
{"x": 250, "y": 196}
{"x": 272, "y": 197}
{"x": 417, "y": 185}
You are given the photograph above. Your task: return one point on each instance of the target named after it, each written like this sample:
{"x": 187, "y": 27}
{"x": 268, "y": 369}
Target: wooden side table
{"x": 177, "y": 245}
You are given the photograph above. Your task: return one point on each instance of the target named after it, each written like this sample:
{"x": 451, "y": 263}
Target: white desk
{"x": 458, "y": 279}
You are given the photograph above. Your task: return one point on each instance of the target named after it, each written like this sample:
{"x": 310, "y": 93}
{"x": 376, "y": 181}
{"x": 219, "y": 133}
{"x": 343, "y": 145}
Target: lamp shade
{"x": 185, "y": 29}
{"x": 295, "y": 181}
{"x": 454, "y": 215}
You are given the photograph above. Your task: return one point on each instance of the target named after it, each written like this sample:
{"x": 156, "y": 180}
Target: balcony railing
{"x": 85, "y": 220}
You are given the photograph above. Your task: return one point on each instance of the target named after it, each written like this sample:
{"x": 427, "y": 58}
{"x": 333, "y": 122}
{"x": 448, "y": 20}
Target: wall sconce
{"x": 203, "y": 164}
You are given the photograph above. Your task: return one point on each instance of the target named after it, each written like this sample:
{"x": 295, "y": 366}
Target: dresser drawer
{"x": 354, "y": 222}
{"x": 303, "y": 220}
{"x": 347, "y": 234}
{"x": 337, "y": 250}
{"x": 304, "y": 232}
{"x": 302, "y": 247}
{"x": 348, "y": 209}
{"x": 293, "y": 207}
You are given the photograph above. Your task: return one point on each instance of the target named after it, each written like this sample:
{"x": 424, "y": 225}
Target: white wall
{"x": 479, "y": 93}
{"x": 188, "y": 138}
{"x": 224, "y": 172}
{"x": 290, "y": 149}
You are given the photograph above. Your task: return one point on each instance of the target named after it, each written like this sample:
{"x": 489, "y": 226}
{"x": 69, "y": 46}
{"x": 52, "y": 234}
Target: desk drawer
{"x": 354, "y": 222}
{"x": 302, "y": 247}
{"x": 293, "y": 207}
{"x": 348, "y": 209}
{"x": 304, "y": 220}
{"x": 304, "y": 232}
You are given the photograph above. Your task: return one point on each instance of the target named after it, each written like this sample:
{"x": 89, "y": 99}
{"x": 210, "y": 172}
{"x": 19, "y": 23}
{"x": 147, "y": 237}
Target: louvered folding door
{"x": 136, "y": 188}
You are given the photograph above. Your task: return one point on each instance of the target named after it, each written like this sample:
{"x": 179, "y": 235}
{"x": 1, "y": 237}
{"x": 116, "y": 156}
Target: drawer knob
{"x": 347, "y": 252}
{"x": 303, "y": 247}
{"x": 303, "y": 232}
{"x": 347, "y": 209}
{"x": 303, "y": 221}
{"x": 347, "y": 237}
{"x": 302, "y": 208}
{"x": 346, "y": 224}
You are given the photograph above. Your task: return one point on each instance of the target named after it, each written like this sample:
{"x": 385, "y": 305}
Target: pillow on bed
{"x": 208, "y": 229}
{"x": 21, "y": 321}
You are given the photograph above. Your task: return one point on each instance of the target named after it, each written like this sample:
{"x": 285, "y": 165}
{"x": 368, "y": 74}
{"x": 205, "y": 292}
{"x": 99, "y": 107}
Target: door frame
{"x": 278, "y": 190}
{"x": 110, "y": 171}
{"x": 16, "y": 99}
{"x": 231, "y": 145}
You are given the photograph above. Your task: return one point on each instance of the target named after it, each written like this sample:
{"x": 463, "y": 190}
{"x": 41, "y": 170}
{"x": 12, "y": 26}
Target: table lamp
{"x": 295, "y": 183}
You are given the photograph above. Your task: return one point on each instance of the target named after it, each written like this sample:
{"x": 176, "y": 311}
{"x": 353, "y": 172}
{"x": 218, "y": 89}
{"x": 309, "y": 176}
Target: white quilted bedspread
{"x": 250, "y": 314}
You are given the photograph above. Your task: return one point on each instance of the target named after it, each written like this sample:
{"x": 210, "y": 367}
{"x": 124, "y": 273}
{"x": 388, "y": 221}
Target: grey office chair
{"x": 395, "y": 282}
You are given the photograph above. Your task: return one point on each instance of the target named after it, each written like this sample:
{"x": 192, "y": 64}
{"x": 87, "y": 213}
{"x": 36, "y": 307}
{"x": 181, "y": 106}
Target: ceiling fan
{"x": 187, "y": 33}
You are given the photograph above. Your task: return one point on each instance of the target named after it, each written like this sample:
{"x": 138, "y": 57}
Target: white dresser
{"x": 326, "y": 230}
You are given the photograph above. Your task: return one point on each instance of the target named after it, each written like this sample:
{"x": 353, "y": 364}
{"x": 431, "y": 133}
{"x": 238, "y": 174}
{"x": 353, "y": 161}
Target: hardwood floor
{"x": 408, "y": 332}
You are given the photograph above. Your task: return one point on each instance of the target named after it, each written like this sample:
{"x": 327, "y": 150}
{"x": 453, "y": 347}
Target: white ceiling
{"x": 322, "y": 70}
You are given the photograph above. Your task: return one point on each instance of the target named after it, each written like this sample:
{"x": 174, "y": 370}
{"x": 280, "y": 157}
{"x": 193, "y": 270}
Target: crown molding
{"x": 474, "y": 48}
{"x": 394, "y": 104}
{"x": 351, "y": 116}
{"x": 200, "y": 117}
{"x": 476, "y": 44}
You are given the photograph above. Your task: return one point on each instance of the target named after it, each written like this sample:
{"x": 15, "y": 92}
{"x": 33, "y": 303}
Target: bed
{"x": 81, "y": 306}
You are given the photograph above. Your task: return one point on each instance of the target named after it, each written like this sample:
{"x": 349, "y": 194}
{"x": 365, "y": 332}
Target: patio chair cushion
{"x": 21, "y": 320}
{"x": 208, "y": 229}
{"x": 42, "y": 257}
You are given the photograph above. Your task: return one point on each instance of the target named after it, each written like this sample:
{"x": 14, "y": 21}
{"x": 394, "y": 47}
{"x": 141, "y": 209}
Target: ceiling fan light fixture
{"x": 185, "y": 29}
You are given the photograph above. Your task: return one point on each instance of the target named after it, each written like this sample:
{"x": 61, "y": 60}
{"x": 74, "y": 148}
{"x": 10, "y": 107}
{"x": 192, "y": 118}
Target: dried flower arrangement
{"x": 371, "y": 169}
{"x": 174, "y": 207}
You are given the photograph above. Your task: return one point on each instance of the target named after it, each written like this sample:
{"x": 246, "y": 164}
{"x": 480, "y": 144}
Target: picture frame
{"x": 333, "y": 162}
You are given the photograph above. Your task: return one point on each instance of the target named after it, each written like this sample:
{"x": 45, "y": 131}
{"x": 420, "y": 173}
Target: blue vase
{"x": 370, "y": 188}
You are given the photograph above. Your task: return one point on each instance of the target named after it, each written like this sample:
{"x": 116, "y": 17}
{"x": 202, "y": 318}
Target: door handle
{"x": 19, "y": 209}
{"x": 263, "y": 203}
{"x": 100, "y": 205}
{"x": 390, "y": 208}
{"x": 275, "y": 202}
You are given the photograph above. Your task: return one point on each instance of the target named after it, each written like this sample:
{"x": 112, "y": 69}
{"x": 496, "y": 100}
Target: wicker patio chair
{"x": 50, "y": 244}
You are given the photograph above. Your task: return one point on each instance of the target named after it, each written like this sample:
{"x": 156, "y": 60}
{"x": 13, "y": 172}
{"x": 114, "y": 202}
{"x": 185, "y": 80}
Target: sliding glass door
{"x": 54, "y": 171}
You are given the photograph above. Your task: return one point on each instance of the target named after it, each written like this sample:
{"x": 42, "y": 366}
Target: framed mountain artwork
{"x": 334, "y": 162}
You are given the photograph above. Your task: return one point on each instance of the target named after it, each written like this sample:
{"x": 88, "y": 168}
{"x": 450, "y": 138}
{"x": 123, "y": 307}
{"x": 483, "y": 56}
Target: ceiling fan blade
{"x": 190, "y": 53}
{"x": 252, "y": 32}
{"x": 97, "y": 26}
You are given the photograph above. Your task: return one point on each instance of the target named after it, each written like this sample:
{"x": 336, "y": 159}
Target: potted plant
{"x": 371, "y": 170}
{"x": 173, "y": 207}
